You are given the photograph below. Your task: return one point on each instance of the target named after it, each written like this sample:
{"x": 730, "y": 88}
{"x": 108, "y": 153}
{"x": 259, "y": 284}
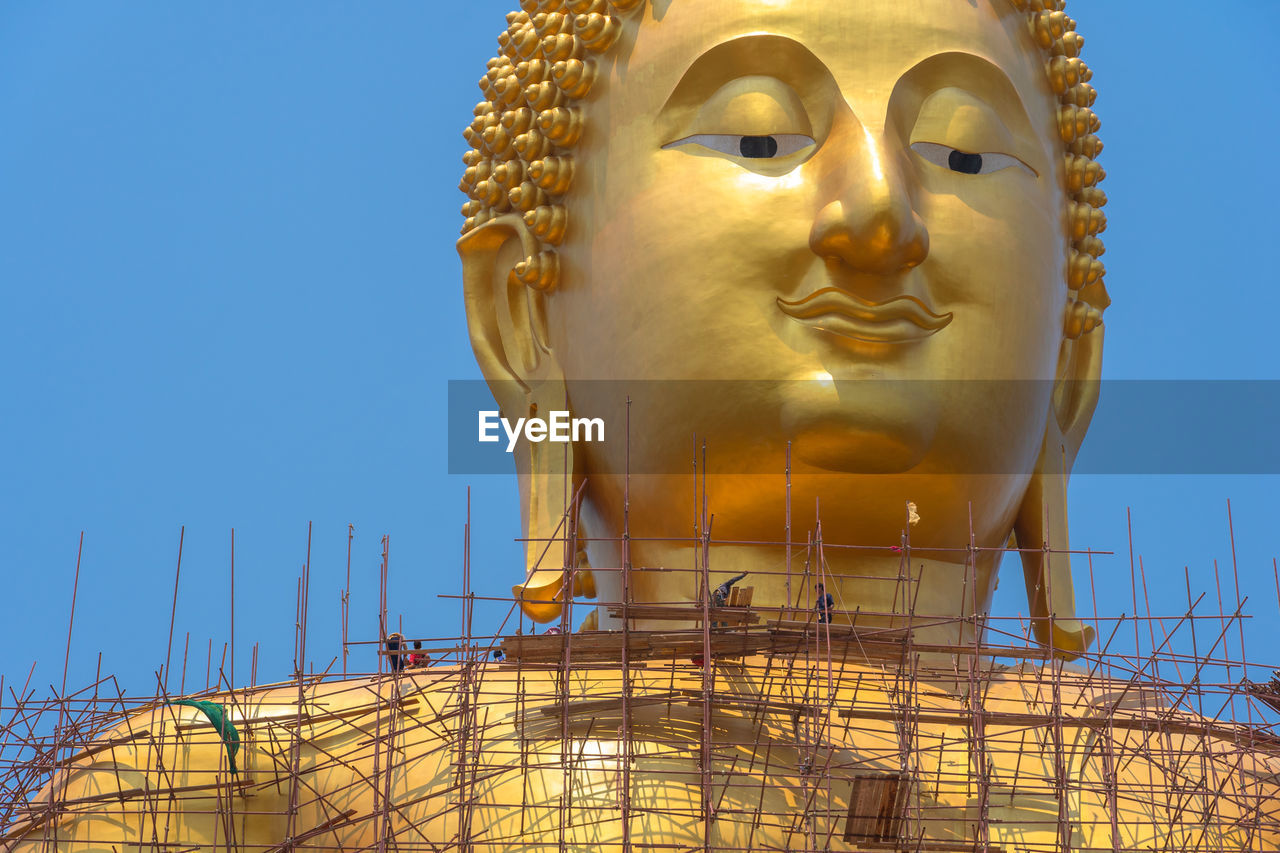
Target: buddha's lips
{"x": 832, "y": 301}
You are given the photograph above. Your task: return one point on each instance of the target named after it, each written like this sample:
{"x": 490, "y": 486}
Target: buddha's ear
{"x": 1076, "y": 388}
{"x": 1040, "y": 529}
{"x": 506, "y": 311}
{"x": 505, "y": 284}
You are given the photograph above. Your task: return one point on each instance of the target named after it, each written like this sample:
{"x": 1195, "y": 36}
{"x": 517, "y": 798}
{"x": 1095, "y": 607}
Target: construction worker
{"x": 395, "y": 643}
{"x": 825, "y": 603}
{"x": 720, "y": 596}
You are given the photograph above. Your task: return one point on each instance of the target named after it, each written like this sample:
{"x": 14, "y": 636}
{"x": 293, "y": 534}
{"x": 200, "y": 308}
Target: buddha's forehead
{"x": 866, "y": 45}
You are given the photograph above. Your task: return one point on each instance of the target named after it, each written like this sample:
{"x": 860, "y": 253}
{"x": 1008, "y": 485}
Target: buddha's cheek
{"x": 996, "y": 264}
{"x": 681, "y": 274}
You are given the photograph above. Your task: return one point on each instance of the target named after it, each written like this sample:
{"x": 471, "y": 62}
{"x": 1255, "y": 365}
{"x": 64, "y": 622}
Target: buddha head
{"x": 857, "y": 242}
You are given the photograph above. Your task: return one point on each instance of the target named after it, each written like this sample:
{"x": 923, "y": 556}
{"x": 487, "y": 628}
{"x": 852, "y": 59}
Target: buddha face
{"x": 773, "y": 191}
{"x": 846, "y": 222}
{"x": 852, "y": 212}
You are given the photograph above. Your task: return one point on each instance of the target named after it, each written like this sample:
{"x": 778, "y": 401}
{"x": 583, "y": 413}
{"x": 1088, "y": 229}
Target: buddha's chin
{"x": 887, "y": 431}
{"x": 845, "y": 451}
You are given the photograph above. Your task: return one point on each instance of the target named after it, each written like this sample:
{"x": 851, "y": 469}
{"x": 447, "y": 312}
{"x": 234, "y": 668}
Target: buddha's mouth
{"x": 898, "y": 320}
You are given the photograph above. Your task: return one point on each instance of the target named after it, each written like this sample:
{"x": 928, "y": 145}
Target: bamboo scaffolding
{"x": 743, "y": 724}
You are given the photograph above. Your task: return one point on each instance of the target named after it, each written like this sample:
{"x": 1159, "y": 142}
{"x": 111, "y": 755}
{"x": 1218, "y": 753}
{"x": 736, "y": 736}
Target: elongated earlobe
{"x": 550, "y": 477}
{"x": 1040, "y": 529}
{"x": 1041, "y": 533}
{"x": 542, "y": 595}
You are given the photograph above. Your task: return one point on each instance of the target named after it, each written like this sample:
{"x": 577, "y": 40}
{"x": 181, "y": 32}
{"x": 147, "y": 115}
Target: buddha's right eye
{"x": 769, "y": 147}
{"x": 964, "y": 162}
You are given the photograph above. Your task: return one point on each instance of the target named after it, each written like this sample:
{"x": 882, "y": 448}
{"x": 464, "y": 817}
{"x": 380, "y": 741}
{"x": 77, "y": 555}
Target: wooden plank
{"x": 753, "y": 703}
{"x": 925, "y": 846}
{"x": 873, "y": 804}
{"x": 642, "y": 645}
{"x": 596, "y": 706}
{"x": 836, "y": 629}
{"x": 1183, "y": 725}
{"x": 692, "y": 615}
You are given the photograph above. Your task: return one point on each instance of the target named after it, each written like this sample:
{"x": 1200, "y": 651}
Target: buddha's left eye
{"x": 965, "y": 162}
{"x": 770, "y": 147}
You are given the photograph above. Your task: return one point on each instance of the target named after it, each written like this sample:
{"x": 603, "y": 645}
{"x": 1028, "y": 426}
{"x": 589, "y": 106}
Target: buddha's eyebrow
{"x": 761, "y": 53}
{"x": 747, "y": 54}
{"x": 976, "y": 75}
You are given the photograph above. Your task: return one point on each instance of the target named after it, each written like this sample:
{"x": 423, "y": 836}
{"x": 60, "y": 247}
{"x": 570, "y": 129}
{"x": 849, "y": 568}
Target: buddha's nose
{"x": 868, "y": 221}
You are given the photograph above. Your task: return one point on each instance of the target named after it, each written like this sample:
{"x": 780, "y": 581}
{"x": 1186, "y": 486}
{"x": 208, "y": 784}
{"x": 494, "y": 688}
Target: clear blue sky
{"x": 231, "y": 299}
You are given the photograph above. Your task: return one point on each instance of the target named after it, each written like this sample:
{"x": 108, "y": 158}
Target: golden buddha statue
{"x": 891, "y": 283}
{"x": 855, "y": 242}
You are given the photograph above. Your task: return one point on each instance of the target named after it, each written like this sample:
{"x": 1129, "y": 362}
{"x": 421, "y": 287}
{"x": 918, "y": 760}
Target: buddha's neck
{"x": 933, "y": 593}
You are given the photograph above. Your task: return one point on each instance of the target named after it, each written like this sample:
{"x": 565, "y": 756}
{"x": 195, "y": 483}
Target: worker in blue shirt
{"x": 825, "y": 603}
